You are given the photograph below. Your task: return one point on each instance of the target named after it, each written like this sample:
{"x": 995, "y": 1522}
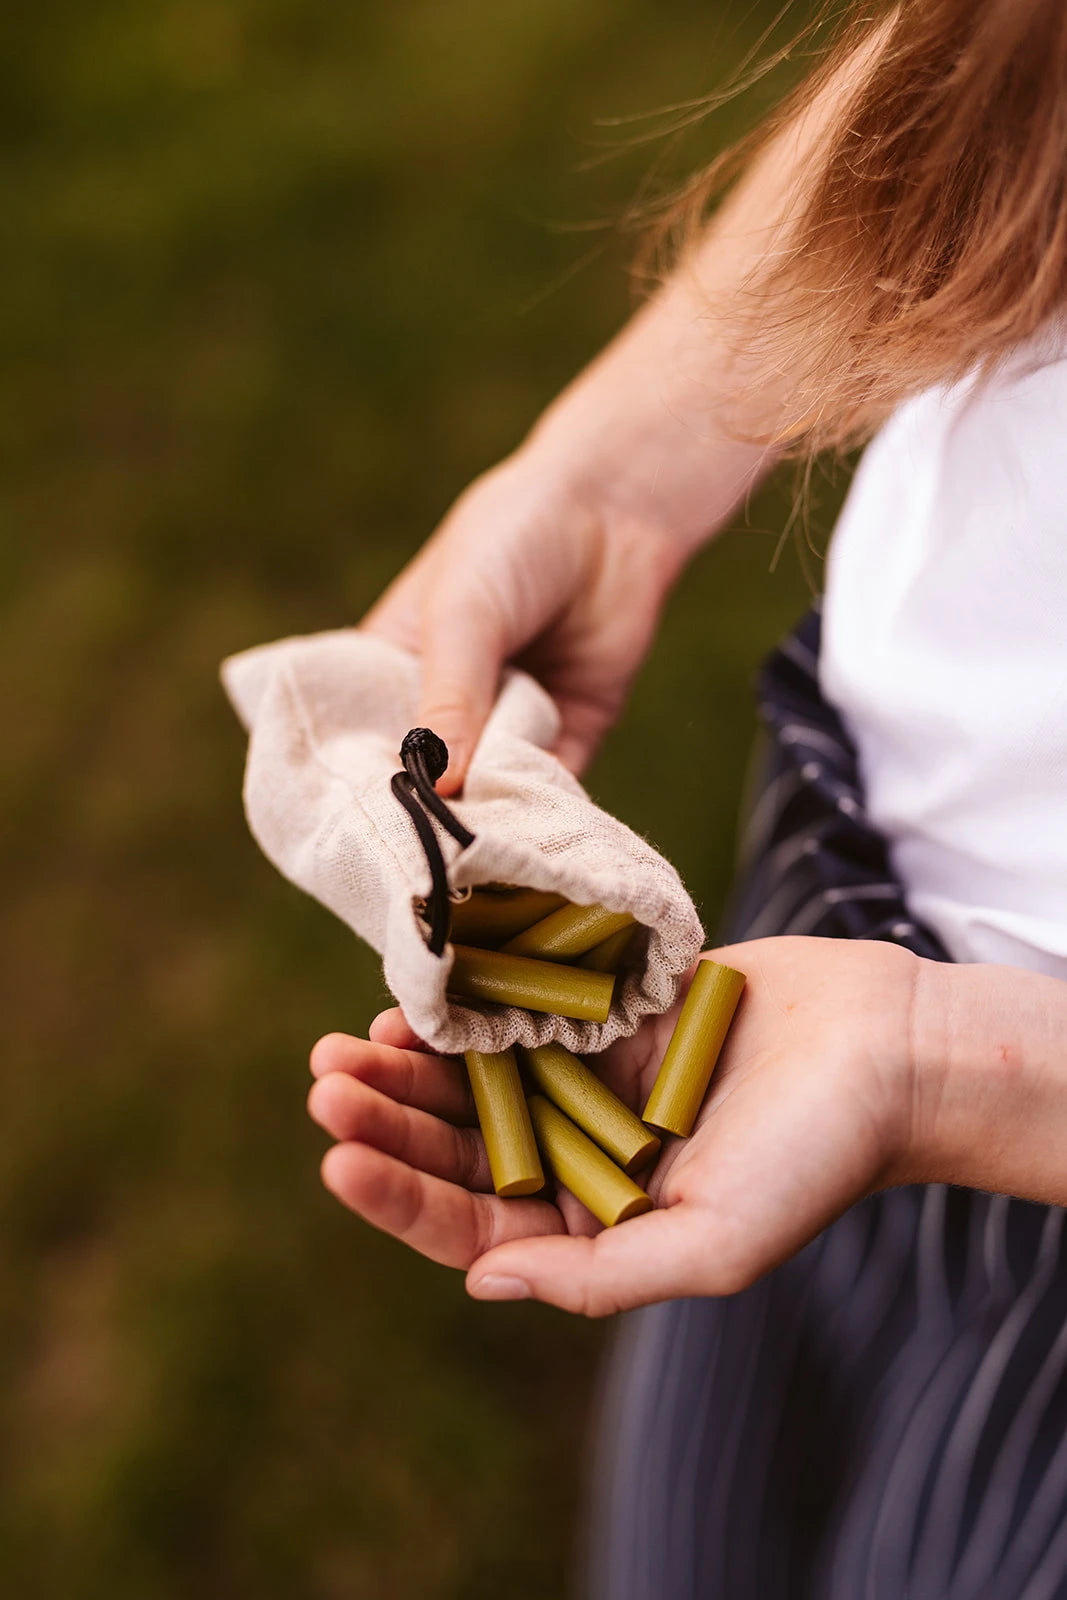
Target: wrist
{"x": 989, "y": 1075}
{"x": 576, "y": 493}
{"x": 931, "y": 1067}
{"x": 643, "y": 436}
{"x": 600, "y": 537}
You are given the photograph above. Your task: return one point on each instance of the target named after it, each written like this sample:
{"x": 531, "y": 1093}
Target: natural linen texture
{"x": 326, "y": 715}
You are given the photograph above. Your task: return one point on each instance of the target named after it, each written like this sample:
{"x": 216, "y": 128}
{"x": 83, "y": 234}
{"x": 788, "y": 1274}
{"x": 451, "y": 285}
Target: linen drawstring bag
{"x": 326, "y": 717}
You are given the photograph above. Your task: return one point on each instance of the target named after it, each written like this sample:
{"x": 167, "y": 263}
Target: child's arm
{"x": 566, "y": 551}
{"x": 852, "y": 1066}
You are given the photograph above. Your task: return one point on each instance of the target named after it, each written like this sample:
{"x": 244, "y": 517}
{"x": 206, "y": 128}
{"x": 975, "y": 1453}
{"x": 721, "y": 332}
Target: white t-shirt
{"x": 945, "y": 650}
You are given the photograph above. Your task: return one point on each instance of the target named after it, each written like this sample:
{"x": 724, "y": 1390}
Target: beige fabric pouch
{"x": 326, "y": 715}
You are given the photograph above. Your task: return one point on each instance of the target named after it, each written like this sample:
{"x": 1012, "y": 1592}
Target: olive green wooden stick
{"x": 685, "y": 1072}
{"x": 608, "y": 956}
{"x": 569, "y": 932}
{"x": 590, "y": 1175}
{"x": 535, "y": 985}
{"x": 577, "y": 1090}
{"x": 489, "y": 917}
{"x": 505, "y": 1121}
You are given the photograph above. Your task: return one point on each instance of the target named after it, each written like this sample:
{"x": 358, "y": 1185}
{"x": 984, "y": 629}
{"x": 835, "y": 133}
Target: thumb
{"x": 462, "y": 654}
{"x": 660, "y": 1256}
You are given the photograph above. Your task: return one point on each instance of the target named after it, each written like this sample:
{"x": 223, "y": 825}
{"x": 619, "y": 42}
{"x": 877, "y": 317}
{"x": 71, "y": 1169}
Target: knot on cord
{"x": 424, "y": 751}
{"x": 425, "y": 758}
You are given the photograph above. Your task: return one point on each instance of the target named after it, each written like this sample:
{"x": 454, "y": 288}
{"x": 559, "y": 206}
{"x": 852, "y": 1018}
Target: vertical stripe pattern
{"x": 885, "y": 1416}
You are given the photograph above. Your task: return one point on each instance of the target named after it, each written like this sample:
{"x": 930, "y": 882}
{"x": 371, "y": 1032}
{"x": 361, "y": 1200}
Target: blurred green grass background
{"x": 276, "y": 280}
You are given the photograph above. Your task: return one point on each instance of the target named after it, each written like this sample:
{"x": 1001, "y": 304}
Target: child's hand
{"x": 811, "y": 1108}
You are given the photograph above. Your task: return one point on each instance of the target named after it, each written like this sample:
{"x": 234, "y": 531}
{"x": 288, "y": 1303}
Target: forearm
{"x": 660, "y": 428}
{"x": 676, "y": 421}
{"x": 990, "y": 1102}
{"x": 649, "y": 433}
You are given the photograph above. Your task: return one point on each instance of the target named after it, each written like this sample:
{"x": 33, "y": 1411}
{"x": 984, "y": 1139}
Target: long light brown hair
{"x": 932, "y": 236}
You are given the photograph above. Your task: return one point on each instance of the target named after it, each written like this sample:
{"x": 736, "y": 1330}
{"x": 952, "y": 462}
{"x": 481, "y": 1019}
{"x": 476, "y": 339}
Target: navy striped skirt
{"x": 885, "y": 1416}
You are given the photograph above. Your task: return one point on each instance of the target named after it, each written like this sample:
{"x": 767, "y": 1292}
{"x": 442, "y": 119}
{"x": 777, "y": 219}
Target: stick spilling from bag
{"x": 501, "y": 955}
{"x": 535, "y": 985}
{"x": 513, "y": 954}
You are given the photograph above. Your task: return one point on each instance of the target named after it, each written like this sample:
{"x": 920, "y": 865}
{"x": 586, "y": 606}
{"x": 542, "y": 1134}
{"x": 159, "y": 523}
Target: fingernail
{"x": 495, "y": 1287}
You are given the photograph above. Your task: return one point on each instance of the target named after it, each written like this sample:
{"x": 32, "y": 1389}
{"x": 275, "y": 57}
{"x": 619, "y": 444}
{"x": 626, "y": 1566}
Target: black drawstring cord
{"x": 425, "y": 757}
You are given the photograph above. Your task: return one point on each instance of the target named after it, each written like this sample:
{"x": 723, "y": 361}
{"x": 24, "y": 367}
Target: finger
{"x": 579, "y": 1220}
{"x": 575, "y": 751}
{"x": 397, "y": 614}
{"x": 583, "y": 723}
{"x": 659, "y": 1256}
{"x": 629, "y": 1065}
{"x": 350, "y": 1110}
{"x": 392, "y": 1027}
{"x": 439, "y": 1219}
{"x": 462, "y": 653}
{"x": 436, "y": 1084}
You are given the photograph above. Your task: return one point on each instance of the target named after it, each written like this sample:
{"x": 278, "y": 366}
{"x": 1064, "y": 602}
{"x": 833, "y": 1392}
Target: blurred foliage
{"x": 277, "y": 279}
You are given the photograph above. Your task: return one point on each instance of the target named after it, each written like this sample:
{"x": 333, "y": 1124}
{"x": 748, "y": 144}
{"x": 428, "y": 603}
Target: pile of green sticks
{"x": 545, "y": 1107}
